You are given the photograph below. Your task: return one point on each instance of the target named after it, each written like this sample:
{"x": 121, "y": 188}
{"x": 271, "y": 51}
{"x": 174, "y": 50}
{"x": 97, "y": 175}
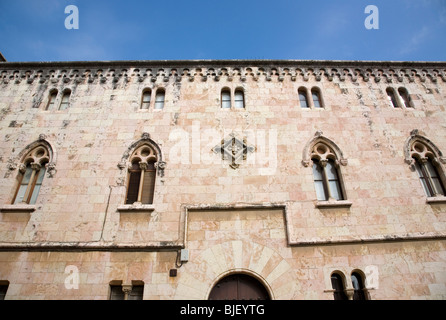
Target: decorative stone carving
{"x": 280, "y": 70}
{"x": 145, "y": 136}
{"x": 50, "y": 169}
{"x": 233, "y": 149}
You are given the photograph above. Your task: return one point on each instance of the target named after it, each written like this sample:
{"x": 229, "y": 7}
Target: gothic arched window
{"x": 326, "y": 173}
{"x": 427, "y": 169}
{"x": 326, "y": 159}
{"x": 142, "y": 174}
{"x": 32, "y": 172}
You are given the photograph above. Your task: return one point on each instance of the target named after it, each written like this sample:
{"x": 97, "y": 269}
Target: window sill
{"x": 27, "y": 208}
{"x": 136, "y": 207}
{"x": 435, "y": 200}
{"x": 333, "y": 204}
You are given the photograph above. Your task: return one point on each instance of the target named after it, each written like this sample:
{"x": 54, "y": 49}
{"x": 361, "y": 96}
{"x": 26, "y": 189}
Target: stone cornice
{"x": 162, "y": 71}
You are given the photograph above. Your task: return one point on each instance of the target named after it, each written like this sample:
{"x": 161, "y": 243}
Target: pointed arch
{"x": 333, "y": 152}
{"x": 145, "y": 140}
{"x": 42, "y": 141}
{"x": 432, "y": 150}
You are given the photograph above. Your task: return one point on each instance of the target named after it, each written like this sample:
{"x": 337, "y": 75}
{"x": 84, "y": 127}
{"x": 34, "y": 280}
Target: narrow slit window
{"x": 404, "y": 94}
{"x": 392, "y": 98}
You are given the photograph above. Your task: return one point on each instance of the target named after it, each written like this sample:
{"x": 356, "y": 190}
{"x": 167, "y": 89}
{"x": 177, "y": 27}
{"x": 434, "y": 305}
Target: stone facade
{"x": 234, "y": 186}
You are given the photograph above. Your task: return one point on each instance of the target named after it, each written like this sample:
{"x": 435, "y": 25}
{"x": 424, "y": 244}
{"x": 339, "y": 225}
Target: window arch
{"x": 303, "y": 99}
{"x": 404, "y": 94}
{"x": 359, "y": 292}
{"x": 32, "y": 171}
{"x": 146, "y": 97}
{"x": 337, "y": 283}
{"x": 426, "y": 159}
{"x": 399, "y": 98}
{"x": 317, "y": 98}
{"x": 391, "y": 96}
{"x": 225, "y": 98}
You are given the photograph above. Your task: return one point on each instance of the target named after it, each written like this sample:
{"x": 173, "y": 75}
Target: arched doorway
{"x": 239, "y": 287}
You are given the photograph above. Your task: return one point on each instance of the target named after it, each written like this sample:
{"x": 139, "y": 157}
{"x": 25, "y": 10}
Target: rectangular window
{"x": 333, "y": 181}
{"x": 148, "y": 187}
{"x": 136, "y": 293}
{"x": 319, "y": 182}
{"x": 23, "y": 185}
{"x": 422, "y": 179}
{"x": 133, "y": 186}
{"x": 116, "y": 292}
{"x": 40, "y": 174}
{"x": 303, "y": 99}
{"x": 316, "y": 100}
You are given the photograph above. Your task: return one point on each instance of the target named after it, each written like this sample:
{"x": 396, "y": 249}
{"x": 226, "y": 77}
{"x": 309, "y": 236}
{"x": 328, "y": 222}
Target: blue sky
{"x": 409, "y": 30}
